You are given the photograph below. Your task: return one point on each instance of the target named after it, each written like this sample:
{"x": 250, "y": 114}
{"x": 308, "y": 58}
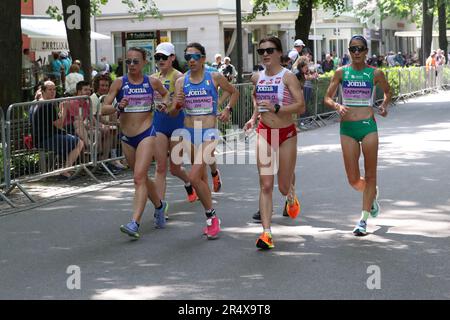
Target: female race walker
{"x": 165, "y": 125}
{"x": 276, "y": 97}
{"x": 196, "y": 92}
{"x": 358, "y": 126}
{"x": 134, "y": 93}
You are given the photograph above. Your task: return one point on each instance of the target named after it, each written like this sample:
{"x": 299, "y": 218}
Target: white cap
{"x": 298, "y": 43}
{"x": 226, "y": 58}
{"x": 218, "y": 55}
{"x": 166, "y": 48}
{"x": 293, "y": 55}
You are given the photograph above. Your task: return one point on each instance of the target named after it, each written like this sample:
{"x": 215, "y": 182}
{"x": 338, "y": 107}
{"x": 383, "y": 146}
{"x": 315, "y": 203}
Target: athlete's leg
{"x": 161, "y": 149}
{"x": 351, "y": 151}
{"x": 144, "y": 187}
{"x": 265, "y": 163}
{"x": 370, "y": 152}
{"x": 198, "y": 173}
{"x": 177, "y": 170}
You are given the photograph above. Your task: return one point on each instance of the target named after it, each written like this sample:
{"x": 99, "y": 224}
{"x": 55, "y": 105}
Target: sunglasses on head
{"x": 132, "y": 61}
{"x": 268, "y": 50}
{"x": 195, "y": 56}
{"x": 353, "y": 49}
{"x": 161, "y": 57}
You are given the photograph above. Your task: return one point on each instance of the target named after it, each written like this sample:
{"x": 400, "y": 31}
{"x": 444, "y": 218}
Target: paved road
{"x": 316, "y": 256}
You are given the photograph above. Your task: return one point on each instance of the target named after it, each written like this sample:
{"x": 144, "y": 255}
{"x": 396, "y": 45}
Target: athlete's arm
{"x": 380, "y": 80}
{"x": 158, "y": 86}
{"x": 107, "y": 107}
{"x": 250, "y": 123}
{"x": 331, "y": 92}
{"x": 178, "y": 97}
{"x": 222, "y": 82}
{"x": 298, "y": 104}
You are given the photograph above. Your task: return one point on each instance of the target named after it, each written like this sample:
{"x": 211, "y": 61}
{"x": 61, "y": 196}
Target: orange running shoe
{"x": 192, "y": 197}
{"x": 217, "y": 182}
{"x": 293, "y": 209}
{"x": 265, "y": 241}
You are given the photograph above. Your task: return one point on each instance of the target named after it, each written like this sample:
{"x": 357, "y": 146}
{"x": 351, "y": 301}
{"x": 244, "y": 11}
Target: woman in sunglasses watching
{"x": 276, "y": 97}
{"x": 358, "y": 131}
{"x": 134, "y": 93}
{"x": 197, "y": 93}
{"x": 165, "y": 125}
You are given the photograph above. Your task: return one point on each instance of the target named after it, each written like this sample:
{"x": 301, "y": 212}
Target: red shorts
{"x": 283, "y": 133}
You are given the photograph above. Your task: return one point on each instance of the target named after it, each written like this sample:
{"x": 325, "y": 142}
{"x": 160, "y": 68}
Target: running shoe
{"x": 217, "y": 182}
{"x": 375, "y": 210}
{"x": 160, "y": 215}
{"x": 360, "y": 229}
{"x": 191, "y": 194}
{"x": 212, "y": 228}
{"x": 265, "y": 241}
{"x": 293, "y": 209}
{"x": 131, "y": 229}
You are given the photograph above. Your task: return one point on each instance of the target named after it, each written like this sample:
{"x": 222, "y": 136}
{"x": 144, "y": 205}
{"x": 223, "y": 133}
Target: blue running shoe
{"x": 160, "y": 216}
{"x": 375, "y": 210}
{"x": 131, "y": 229}
{"x": 360, "y": 229}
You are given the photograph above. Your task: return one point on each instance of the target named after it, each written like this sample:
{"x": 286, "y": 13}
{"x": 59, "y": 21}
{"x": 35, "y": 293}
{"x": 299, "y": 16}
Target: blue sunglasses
{"x": 195, "y": 56}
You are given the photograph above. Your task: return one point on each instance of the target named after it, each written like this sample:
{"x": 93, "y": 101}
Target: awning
{"x": 47, "y": 28}
{"x": 416, "y": 34}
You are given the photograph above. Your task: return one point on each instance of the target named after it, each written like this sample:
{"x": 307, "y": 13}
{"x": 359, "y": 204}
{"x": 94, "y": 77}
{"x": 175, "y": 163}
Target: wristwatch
{"x": 277, "y": 107}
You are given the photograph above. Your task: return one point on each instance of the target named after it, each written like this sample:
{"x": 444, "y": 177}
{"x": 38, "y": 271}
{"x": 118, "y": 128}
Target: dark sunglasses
{"x": 132, "y": 61}
{"x": 268, "y": 50}
{"x": 161, "y": 57}
{"x": 195, "y": 56}
{"x": 353, "y": 49}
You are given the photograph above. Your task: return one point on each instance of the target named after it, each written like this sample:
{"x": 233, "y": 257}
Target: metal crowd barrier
{"x": 36, "y": 148}
{"x": 107, "y": 143}
{"x": 3, "y": 161}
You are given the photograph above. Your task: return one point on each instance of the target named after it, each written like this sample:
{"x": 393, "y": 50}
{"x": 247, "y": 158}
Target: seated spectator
{"x": 72, "y": 79}
{"x": 76, "y": 114}
{"x": 47, "y": 133}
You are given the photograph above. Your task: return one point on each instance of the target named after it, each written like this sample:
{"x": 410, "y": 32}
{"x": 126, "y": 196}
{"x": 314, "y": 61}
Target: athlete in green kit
{"x": 359, "y": 131}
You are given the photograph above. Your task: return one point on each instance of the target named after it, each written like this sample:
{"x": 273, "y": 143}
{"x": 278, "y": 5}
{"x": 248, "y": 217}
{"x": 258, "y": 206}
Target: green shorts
{"x": 358, "y": 129}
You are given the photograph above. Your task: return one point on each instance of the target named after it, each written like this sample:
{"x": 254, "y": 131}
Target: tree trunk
{"x": 10, "y": 54}
{"x": 442, "y": 17}
{"x": 303, "y": 22}
{"x": 427, "y": 29}
{"x": 79, "y": 38}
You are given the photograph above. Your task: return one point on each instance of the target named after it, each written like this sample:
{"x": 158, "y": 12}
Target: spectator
{"x": 327, "y": 64}
{"x": 72, "y": 79}
{"x": 76, "y": 114}
{"x": 390, "y": 59}
{"x": 65, "y": 60}
{"x": 119, "y": 69}
{"x": 78, "y": 63}
{"x": 26, "y": 60}
{"x": 292, "y": 55}
{"x": 46, "y": 131}
{"x": 306, "y": 74}
{"x": 345, "y": 59}
{"x": 399, "y": 60}
{"x": 285, "y": 61}
{"x": 108, "y": 124}
{"x": 297, "y": 50}
{"x": 373, "y": 61}
{"x": 104, "y": 66}
{"x": 431, "y": 61}
{"x": 336, "y": 61}
{"x": 228, "y": 70}
{"x": 218, "y": 61}
{"x": 57, "y": 66}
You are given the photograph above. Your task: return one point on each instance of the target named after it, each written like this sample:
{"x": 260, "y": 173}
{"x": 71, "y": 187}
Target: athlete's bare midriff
{"x": 208, "y": 121}
{"x": 133, "y": 124}
{"x": 358, "y": 113}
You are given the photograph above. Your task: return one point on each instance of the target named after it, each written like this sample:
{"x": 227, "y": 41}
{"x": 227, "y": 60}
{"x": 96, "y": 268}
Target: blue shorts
{"x": 134, "y": 141}
{"x": 62, "y": 144}
{"x": 166, "y": 124}
{"x": 198, "y": 136}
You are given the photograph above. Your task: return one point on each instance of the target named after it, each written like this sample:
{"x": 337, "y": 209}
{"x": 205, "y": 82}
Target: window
{"x": 179, "y": 40}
